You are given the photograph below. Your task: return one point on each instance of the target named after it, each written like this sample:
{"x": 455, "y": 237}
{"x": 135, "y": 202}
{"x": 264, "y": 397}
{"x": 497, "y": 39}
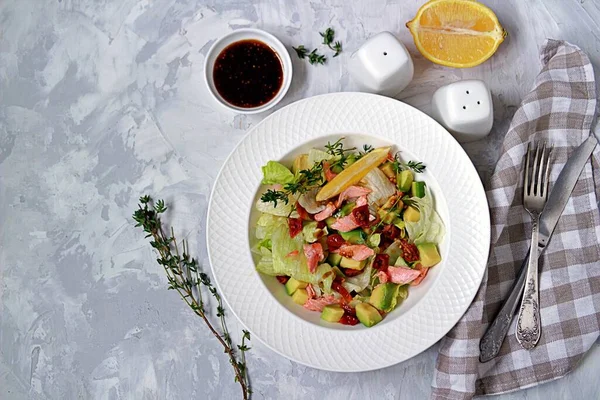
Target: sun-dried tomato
{"x": 302, "y": 212}
{"x": 381, "y": 262}
{"x": 337, "y": 286}
{"x": 361, "y": 216}
{"x": 335, "y": 241}
{"x": 321, "y": 224}
{"x": 390, "y": 232}
{"x": 410, "y": 253}
{"x": 295, "y": 225}
{"x": 349, "y": 319}
{"x": 283, "y": 279}
{"x": 348, "y": 309}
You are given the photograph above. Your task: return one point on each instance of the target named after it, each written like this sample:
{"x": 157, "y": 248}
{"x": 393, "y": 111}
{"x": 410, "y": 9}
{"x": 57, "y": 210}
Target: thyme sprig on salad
{"x": 184, "y": 276}
{"x": 416, "y": 166}
{"x": 306, "y": 180}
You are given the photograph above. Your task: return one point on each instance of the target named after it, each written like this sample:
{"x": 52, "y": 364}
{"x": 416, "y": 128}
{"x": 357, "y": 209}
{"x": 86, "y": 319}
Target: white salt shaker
{"x": 465, "y": 109}
{"x": 382, "y": 65}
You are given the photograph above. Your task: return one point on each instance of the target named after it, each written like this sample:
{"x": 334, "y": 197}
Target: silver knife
{"x": 490, "y": 343}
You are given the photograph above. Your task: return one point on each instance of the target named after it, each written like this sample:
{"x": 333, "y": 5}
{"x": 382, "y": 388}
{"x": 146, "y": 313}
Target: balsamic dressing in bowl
{"x": 248, "y": 73}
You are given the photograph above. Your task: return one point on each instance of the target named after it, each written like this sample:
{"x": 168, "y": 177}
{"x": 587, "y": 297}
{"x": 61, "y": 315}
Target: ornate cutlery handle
{"x": 493, "y": 338}
{"x": 528, "y": 322}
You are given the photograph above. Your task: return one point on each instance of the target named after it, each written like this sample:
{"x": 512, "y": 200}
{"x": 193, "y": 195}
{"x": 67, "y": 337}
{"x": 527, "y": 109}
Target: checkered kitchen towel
{"x": 560, "y": 110}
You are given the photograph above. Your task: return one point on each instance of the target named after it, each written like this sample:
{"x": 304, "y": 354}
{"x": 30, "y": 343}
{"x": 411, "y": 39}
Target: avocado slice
{"x": 429, "y": 255}
{"x": 402, "y": 292}
{"x": 388, "y": 170}
{"x": 367, "y": 314}
{"x": 399, "y": 223}
{"x": 346, "y": 209}
{"x": 338, "y": 272}
{"x": 334, "y": 259}
{"x": 337, "y": 169}
{"x": 352, "y": 264}
{"x": 332, "y": 313}
{"x": 351, "y": 159}
{"x": 411, "y": 214}
{"x": 387, "y": 216}
{"x": 418, "y": 189}
{"x": 383, "y": 296}
{"x": 300, "y": 296}
{"x": 330, "y": 221}
{"x": 293, "y": 284}
{"x": 357, "y": 236}
{"x": 300, "y": 163}
{"x": 405, "y": 179}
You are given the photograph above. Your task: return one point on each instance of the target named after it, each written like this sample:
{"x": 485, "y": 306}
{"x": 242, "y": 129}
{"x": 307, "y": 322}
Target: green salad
{"x": 347, "y": 231}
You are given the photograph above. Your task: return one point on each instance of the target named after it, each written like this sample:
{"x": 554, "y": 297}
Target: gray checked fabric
{"x": 559, "y": 110}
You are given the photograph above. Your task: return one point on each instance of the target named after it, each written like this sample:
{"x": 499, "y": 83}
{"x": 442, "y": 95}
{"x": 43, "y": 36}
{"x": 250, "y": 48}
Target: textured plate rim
{"x": 484, "y": 223}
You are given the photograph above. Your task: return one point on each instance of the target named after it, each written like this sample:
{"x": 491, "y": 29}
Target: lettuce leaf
{"x": 266, "y": 224}
{"x": 381, "y": 189}
{"x": 282, "y": 244}
{"x": 325, "y": 276}
{"x": 282, "y": 209}
{"x": 275, "y": 172}
{"x": 311, "y": 231}
{"x": 265, "y": 265}
{"x": 360, "y": 282}
{"x": 394, "y": 251}
{"x": 429, "y": 228}
{"x": 316, "y": 156}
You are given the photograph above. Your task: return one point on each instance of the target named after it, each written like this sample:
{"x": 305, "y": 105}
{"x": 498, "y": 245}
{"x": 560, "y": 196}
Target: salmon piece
{"x": 422, "y": 274}
{"x": 358, "y": 252}
{"x": 345, "y": 224}
{"x": 361, "y": 201}
{"x": 319, "y": 303}
{"x": 383, "y": 277}
{"x": 329, "y": 174}
{"x": 326, "y": 213}
{"x": 403, "y": 275}
{"x": 351, "y": 193}
{"x": 310, "y": 291}
{"x": 314, "y": 254}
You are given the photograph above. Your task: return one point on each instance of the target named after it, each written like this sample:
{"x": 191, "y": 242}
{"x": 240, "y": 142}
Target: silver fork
{"x": 535, "y": 193}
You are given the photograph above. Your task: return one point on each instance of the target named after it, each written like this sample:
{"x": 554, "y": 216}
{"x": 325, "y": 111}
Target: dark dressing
{"x": 248, "y": 73}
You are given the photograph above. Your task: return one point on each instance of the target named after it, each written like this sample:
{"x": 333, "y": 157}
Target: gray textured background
{"x": 102, "y": 101}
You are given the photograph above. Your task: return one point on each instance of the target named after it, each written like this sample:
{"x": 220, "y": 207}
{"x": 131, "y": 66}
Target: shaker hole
{"x": 464, "y": 107}
{"x": 478, "y": 102}
{"x": 467, "y": 92}
{"x": 385, "y": 53}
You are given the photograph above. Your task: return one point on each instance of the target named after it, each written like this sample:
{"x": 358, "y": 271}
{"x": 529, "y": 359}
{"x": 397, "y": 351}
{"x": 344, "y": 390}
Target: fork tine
{"x": 526, "y": 179}
{"x": 541, "y": 172}
{"x": 547, "y": 178}
{"x": 533, "y": 185}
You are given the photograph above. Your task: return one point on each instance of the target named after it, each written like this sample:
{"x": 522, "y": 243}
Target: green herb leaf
{"x": 416, "y": 166}
{"x": 273, "y": 196}
{"x": 315, "y": 58}
{"x": 301, "y": 51}
{"x": 327, "y": 36}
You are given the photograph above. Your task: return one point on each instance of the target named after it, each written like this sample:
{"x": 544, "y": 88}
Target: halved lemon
{"x": 456, "y": 33}
{"x": 353, "y": 174}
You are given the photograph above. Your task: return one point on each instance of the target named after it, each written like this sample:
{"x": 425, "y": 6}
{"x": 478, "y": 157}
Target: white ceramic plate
{"x": 431, "y": 309}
